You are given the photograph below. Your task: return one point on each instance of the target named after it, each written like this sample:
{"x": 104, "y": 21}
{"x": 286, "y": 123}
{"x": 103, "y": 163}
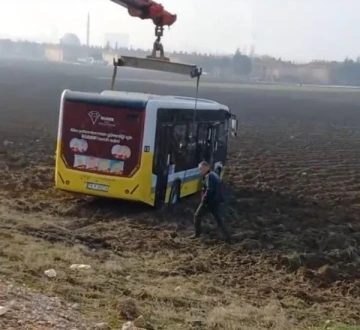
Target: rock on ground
{"x": 34, "y": 311}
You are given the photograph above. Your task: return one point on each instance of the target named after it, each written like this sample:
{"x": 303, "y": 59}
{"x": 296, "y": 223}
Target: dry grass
{"x": 122, "y": 287}
{"x": 174, "y": 283}
{"x": 248, "y": 317}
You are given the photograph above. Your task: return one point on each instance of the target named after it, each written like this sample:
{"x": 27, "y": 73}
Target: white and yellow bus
{"x": 138, "y": 147}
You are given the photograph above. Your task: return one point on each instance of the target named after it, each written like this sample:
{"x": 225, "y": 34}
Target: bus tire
{"x": 174, "y": 194}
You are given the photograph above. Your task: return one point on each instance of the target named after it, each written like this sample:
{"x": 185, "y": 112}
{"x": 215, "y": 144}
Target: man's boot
{"x": 227, "y": 236}
{"x": 197, "y": 232}
{"x": 197, "y": 227}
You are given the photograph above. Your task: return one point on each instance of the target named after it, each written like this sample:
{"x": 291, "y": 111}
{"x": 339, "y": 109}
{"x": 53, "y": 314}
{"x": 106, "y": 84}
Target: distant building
{"x": 21, "y": 49}
{"x": 272, "y": 70}
{"x": 54, "y": 53}
{"x": 116, "y": 40}
{"x": 70, "y": 39}
{"x": 65, "y": 53}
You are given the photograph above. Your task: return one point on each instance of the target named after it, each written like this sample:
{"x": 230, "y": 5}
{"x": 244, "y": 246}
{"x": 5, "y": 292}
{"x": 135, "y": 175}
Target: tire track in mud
{"x": 272, "y": 223}
{"x": 320, "y": 166}
{"x": 319, "y": 173}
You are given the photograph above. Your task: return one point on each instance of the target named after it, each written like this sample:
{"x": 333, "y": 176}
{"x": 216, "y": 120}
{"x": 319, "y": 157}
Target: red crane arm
{"x": 148, "y": 9}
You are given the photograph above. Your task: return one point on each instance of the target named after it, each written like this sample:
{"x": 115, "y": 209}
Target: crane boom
{"x": 148, "y": 9}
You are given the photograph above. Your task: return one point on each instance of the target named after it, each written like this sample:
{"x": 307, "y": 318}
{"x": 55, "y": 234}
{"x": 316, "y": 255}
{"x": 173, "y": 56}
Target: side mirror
{"x": 233, "y": 125}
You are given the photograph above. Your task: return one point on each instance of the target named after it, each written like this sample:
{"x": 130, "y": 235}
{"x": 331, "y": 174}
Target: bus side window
{"x": 191, "y": 159}
{"x": 179, "y": 136}
{"x": 226, "y": 126}
{"x": 185, "y": 145}
{"x": 222, "y": 135}
{"x": 179, "y": 146}
{"x": 201, "y": 142}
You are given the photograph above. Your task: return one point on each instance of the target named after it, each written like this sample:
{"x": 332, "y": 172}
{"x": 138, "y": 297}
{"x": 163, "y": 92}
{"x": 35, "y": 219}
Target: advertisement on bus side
{"x": 101, "y": 139}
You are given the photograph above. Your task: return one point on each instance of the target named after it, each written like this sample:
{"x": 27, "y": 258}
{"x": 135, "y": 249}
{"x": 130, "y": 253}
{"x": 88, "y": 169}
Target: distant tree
{"x": 96, "y": 55}
{"x": 242, "y": 64}
{"x": 225, "y": 61}
{"x": 347, "y": 72}
{"x": 107, "y": 46}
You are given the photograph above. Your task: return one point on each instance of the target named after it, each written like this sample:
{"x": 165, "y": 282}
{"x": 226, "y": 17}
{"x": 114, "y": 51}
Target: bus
{"x": 139, "y": 147}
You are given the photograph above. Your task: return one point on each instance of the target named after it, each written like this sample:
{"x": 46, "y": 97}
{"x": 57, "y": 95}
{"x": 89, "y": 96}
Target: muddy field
{"x": 293, "y": 210}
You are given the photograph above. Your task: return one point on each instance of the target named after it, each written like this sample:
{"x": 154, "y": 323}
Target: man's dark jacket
{"x": 212, "y": 189}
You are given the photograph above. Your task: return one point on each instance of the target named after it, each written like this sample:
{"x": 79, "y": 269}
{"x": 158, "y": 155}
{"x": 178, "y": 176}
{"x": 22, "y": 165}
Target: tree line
{"x": 346, "y": 72}
{"x": 239, "y": 65}
{"x": 236, "y": 66}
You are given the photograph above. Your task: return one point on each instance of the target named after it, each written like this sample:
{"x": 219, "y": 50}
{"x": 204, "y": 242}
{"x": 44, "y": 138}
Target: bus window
{"x": 191, "y": 160}
{"x": 185, "y": 145}
{"x": 179, "y": 136}
{"x": 222, "y": 136}
{"x": 201, "y": 142}
{"x": 179, "y": 147}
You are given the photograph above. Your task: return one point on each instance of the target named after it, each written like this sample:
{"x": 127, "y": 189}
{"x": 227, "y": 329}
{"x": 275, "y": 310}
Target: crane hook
{"x": 158, "y": 46}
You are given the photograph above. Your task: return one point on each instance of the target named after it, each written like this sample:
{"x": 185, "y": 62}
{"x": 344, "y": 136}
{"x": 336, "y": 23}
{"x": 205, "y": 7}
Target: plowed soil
{"x": 294, "y": 182}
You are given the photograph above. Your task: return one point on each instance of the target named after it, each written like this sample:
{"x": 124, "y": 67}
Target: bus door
{"x": 163, "y": 145}
{"x": 221, "y": 143}
{"x": 212, "y": 134}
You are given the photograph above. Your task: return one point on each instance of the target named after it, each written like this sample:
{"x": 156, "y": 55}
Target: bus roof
{"x": 140, "y": 99}
{"x": 145, "y": 97}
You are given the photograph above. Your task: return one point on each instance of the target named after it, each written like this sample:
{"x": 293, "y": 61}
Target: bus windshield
{"x": 103, "y": 139}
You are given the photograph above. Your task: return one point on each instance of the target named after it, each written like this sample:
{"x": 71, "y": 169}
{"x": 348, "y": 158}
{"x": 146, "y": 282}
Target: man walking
{"x": 212, "y": 197}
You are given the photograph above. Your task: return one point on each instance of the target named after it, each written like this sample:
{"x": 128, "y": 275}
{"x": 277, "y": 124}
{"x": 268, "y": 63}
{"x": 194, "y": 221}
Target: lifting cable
{"x": 198, "y": 74}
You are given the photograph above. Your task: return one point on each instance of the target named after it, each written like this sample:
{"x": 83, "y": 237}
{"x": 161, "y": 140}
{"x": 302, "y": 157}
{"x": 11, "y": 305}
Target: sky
{"x": 298, "y": 30}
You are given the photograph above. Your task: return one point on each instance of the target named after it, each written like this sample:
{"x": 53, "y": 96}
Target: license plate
{"x": 96, "y": 186}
